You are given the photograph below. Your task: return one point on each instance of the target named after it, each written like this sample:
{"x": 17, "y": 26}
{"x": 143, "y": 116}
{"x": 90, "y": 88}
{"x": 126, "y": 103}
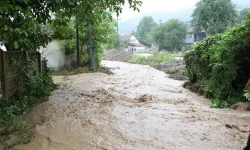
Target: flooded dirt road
{"x": 137, "y": 108}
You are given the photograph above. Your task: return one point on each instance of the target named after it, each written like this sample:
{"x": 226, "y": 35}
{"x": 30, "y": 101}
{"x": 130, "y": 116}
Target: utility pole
{"x": 77, "y": 44}
{"x": 117, "y": 42}
{"x": 160, "y": 21}
{"x": 91, "y": 50}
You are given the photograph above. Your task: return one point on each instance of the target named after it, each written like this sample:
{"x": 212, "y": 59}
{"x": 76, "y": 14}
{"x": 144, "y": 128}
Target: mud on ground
{"x": 175, "y": 69}
{"x": 117, "y": 55}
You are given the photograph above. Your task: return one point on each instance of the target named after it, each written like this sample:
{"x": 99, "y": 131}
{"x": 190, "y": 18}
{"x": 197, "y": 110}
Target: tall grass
{"x": 157, "y": 57}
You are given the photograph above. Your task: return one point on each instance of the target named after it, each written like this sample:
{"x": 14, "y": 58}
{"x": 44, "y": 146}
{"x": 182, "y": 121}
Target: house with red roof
{"x": 134, "y": 44}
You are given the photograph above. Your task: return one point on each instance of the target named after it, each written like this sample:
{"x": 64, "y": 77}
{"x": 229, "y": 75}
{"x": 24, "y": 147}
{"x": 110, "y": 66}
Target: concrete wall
{"x": 52, "y": 53}
{"x": 189, "y": 38}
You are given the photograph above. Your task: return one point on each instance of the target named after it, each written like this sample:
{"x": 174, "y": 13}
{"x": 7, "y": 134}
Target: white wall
{"x": 189, "y": 38}
{"x": 133, "y": 40}
{"x": 52, "y": 53}
{"x": 140, "y": 48}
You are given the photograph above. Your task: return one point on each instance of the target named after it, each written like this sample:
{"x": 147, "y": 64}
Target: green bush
{"x": 162, "y": 57}
{"x": 138, "y": 59}
{"x": 220, "y": 64}
{"x": 247, "y": 95}
{"x": 68, "y": 46}
{"x": 158, "y": 57}
{"x": 36, "y": 87}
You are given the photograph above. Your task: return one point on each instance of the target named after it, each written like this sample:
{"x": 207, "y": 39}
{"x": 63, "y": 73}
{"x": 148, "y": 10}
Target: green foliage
{"x": 36, "y": 86}
{"x": 214, "y": 16}
{"x": 243, "y": 14}
{"x": 170, "y": 35}
{"x": 247, "y": 95}
{"x": 220, "y": 64}
{"x": 23, "y": 22}
{"x": 138, "y": 59}
{"x": 162, "y": 57}
{"x": 158, "y": 57}
{"x": 68, "y": 46}
{"x": 103, "y": 34}
{"x": 103, "y": 37}
{"x": 144, "y": 29}
{"x": 123, "y": 45}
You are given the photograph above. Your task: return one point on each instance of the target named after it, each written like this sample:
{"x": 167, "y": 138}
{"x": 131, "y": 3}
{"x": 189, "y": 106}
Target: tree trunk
{"x": 91, "y": 50}
{"x": 77, "y": 45}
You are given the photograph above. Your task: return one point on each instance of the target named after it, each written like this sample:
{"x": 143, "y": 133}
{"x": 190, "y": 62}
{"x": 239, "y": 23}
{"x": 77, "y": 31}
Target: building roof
{"x": 137, "y": 45}
{"x": 190, "y": 30}
{"x": 125, "y": 36}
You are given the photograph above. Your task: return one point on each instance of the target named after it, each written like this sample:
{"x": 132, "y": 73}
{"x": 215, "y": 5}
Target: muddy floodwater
{"x": 136, "y": 108}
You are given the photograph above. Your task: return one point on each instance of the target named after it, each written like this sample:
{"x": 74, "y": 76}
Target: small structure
{"x": 54, "y": 56}
{"x": 193, "y": 37}
{"x": 134, "y": 44}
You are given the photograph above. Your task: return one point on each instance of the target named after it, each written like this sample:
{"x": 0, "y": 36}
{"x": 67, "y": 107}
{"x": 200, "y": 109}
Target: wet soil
{"x": 137, "y": 107}
{"x": 118, "y": 55}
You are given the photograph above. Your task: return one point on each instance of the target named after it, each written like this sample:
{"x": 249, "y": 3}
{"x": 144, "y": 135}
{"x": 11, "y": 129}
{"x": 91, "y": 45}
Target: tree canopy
{"x": 243, "y": 14}
{"x": 170, "y": 35}
{"x": 218, "y": 66}
{"x": 214, "y": 16}
{"x": 23, "y": 22}
{"x": 144, "y": 29}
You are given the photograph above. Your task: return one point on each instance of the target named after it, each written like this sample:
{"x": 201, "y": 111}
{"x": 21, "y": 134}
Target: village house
{"x": 193, "y": 37}
{"x": 134, "y": 44}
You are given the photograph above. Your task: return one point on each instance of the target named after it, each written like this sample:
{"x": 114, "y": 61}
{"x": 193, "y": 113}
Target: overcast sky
{"x": 157, "y": 5}
{"x": 168, "y": 5}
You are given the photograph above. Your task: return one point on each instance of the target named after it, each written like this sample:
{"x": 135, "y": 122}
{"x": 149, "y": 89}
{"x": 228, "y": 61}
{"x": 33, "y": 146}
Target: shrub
{"x": 36, "y": 87}
{"x": 220, "y": 63}
{"x": 138, "y": 59}
{"x": 247, "y": 95}
{"x": 162, "y": 57}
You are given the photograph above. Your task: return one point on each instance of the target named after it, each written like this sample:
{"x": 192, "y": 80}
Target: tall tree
{"x": 214, "y": 16}
{"x": 170, "y": 35}
{"x": 146, "y": 25}
{"x": 23, "y": 22}
{"x": 103, "y": 34}
{"x": 243, "y": 14}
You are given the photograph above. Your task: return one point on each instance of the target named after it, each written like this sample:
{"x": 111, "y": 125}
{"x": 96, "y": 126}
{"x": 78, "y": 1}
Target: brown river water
{"x": 137, "y": 108}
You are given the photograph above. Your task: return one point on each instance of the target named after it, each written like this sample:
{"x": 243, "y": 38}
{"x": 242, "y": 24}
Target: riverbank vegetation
{"x": 218, "y": 66}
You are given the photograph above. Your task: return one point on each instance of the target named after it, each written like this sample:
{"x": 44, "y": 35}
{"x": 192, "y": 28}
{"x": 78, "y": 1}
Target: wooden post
{"x": 4, "y": 77}
{"x": 39, "y": 61}
{"x": 248, "y": 85}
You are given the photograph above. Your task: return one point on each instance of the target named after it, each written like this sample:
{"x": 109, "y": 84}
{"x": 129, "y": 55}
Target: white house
{"x": 134, "y": 44}
{"x": 193, "y": 37}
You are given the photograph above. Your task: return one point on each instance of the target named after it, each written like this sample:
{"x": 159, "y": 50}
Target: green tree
{"x": 144, "y": 29}
{"x": 170, "y": 35}
{"x": 214, "y": 16}
{"x": 104, "y": 34}
{"x": 243, "y": 14}
{"x": 23, "y": 22}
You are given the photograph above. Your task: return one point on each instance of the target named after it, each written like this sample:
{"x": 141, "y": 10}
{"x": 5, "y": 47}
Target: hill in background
{"x": 183, "y": 15}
